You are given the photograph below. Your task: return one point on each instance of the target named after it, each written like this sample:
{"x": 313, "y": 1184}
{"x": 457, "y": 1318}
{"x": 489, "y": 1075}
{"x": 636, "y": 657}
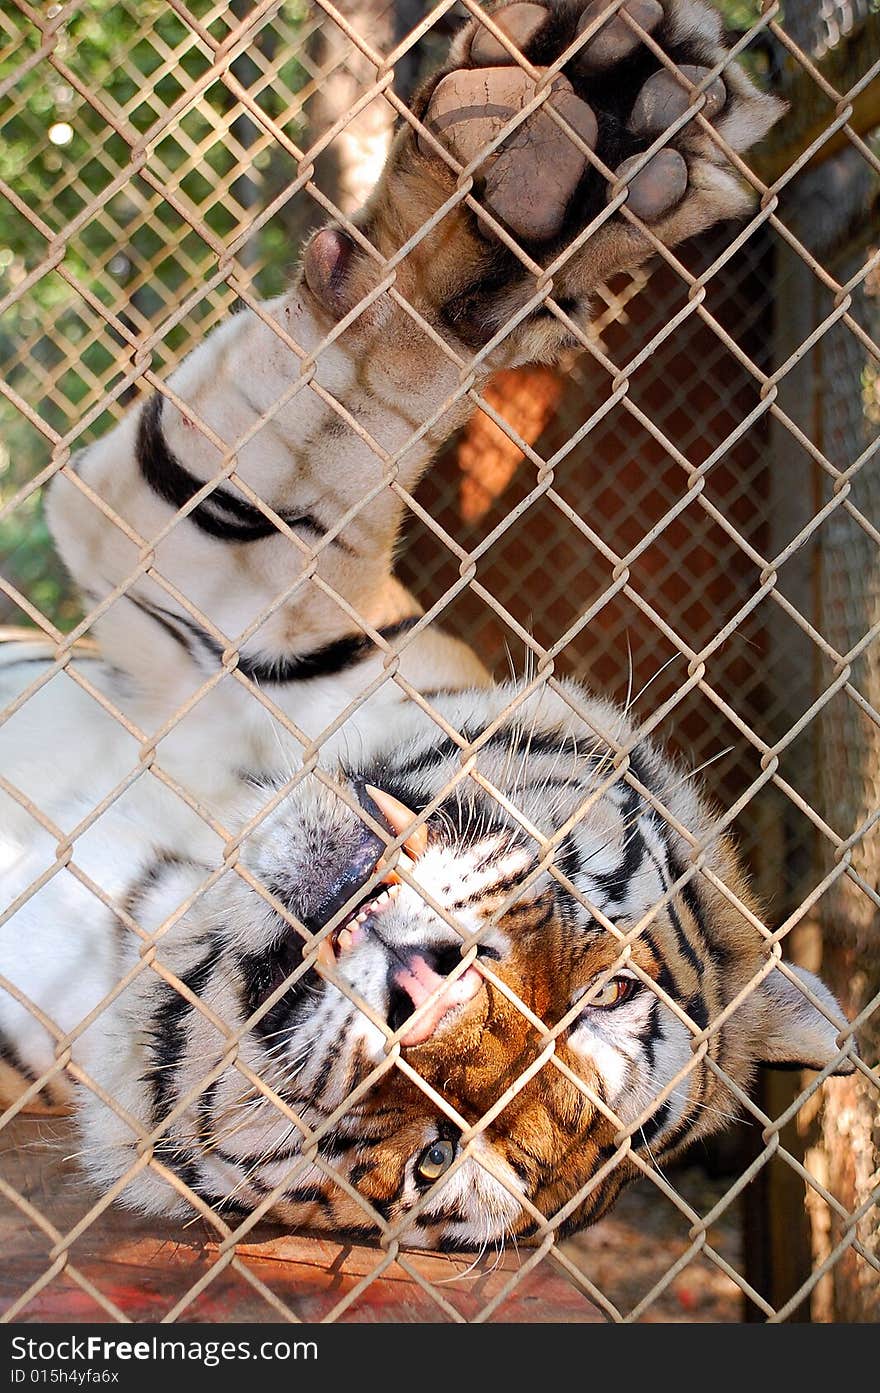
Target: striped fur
{"x": 209, "y": 732}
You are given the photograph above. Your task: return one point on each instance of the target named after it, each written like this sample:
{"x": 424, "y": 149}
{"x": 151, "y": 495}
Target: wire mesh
{"x": 177, "y": 167}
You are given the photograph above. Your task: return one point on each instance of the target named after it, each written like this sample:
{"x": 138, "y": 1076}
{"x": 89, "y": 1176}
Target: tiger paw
{"x": 554, "y": 113}
{"x": 620, "y": 118}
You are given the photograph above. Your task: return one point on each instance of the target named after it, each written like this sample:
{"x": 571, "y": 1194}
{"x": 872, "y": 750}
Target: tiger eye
{"x": 617, "y": 990}
{"x": 435, "y": 1159}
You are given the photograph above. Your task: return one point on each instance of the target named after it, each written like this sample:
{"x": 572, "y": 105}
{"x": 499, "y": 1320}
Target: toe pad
{"x": 663, "y": 99}
{"x": 657, "y": 188}
{"x": 615, "y": 41}
{"x": 520, "y": 22}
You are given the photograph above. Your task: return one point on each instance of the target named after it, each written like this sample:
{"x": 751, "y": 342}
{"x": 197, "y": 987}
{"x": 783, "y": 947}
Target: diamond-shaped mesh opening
{"x": 682, "y": 516}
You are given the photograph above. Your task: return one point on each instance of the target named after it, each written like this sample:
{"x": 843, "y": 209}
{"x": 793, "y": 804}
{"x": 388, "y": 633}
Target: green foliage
{"x": 739, "y": 14}
{"x": 128, "y": 245}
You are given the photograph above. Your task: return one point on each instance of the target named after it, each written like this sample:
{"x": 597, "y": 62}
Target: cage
{"x": 683, "y": 515}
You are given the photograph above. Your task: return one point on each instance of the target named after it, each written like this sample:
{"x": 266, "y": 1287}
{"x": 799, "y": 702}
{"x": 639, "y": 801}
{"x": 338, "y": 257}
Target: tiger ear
{"x": 794, "y": 1034}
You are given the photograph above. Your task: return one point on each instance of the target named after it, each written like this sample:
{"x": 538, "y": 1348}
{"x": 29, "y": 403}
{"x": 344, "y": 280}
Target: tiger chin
{"x": 316, "y": 920}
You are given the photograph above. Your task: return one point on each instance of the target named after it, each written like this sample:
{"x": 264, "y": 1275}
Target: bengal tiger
{"x": 327, "y": 923}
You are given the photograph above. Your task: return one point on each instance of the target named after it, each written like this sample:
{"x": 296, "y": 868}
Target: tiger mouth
{"x": 422, "y": 998}
{"x": 352, "y": 930}
{"x": 422, "y": 993}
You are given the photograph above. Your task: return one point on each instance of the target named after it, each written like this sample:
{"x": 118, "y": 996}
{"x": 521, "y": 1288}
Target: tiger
{"x": 308, "y": 916}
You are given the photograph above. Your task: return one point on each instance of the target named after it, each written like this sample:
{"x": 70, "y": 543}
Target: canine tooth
{"x": 417, "y": 844}
{"x": 399, "y": 817}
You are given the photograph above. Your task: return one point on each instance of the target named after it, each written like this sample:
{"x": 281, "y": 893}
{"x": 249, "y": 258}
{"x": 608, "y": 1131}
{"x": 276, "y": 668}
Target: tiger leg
{"x": 248, "y": 510}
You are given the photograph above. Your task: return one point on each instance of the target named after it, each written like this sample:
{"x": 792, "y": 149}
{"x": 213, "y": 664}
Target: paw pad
{"x": 617, "y": 92}
{"x": 530, "y": 179}
{"x": 520, "y": 22}
{"x": 663, "y": 99}
{"x": 615, "y": 41}
{"x": 656, "y": 189}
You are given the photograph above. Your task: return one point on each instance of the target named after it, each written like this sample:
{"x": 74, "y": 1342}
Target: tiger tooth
{"x": 325, "y": 956}
{"x": 417, "y": 844}
{"x": 399, "y": 817}
{"x": 344, "y": 940}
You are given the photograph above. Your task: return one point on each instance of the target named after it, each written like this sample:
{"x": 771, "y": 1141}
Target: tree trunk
{"x": 349, "y": 167}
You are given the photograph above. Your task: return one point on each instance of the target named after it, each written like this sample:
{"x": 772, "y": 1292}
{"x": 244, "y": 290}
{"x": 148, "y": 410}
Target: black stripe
{"x": 222, "y": 514}
{"x": 497, "y": 887}
{"x": 308, "y": 1194}
{"x": 384, "y": 1207}
{"x": 175, "y": 622}
{"x": 168, "y": 1031}
{"x": 675, "y": 870}
{"x": 49, "y": 658}
{"x": 327, "y": 661}
{"x": 147, "y": 879}
{"x": 594, "y": 1207}
{"x": 649, "y": 1041}
{"x": 510, "y": 739}
{"x": 359, "y": 1171}
{"x": 520, "y": 1171}
{"x": 722, "y": 954}
{"x": 324, "y": 1073}
{"x": 430, "y": 758}
{"x": 696, "y": 1008}
{"x": 221, "y": 1204}
{"x": 655, "y": 1123}
{"x": 205, "y": 1109}
{"x": 684, "y": 942}
{"x": 261, "y": 974}
{"x": 165, "y": 620}
{"x": 10, "y": 1056}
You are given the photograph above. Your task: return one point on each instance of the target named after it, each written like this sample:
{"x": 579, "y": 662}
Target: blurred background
{"x": 128, "y": 165}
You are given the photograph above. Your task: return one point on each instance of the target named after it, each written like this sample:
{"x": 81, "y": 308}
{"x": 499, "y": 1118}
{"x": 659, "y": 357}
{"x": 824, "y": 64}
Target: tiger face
{"x": 486, "y": 1021}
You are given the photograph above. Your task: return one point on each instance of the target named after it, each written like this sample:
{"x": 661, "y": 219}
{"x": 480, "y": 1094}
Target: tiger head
{"x": 556, "y": 968}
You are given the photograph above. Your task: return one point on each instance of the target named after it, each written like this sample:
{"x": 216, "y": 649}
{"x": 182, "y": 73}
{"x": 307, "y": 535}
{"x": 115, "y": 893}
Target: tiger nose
{"x": 420, "y": 983}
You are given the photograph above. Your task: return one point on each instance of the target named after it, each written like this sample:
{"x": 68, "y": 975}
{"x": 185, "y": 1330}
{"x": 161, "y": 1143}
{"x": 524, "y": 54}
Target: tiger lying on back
{"x": 505, "y": 846}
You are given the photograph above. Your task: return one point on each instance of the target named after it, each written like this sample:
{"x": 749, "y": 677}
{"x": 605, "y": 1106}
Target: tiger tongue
{"x": 419, "y": 981}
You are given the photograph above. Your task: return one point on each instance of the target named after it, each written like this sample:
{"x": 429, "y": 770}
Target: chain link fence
{"x": 688, "y": 515}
